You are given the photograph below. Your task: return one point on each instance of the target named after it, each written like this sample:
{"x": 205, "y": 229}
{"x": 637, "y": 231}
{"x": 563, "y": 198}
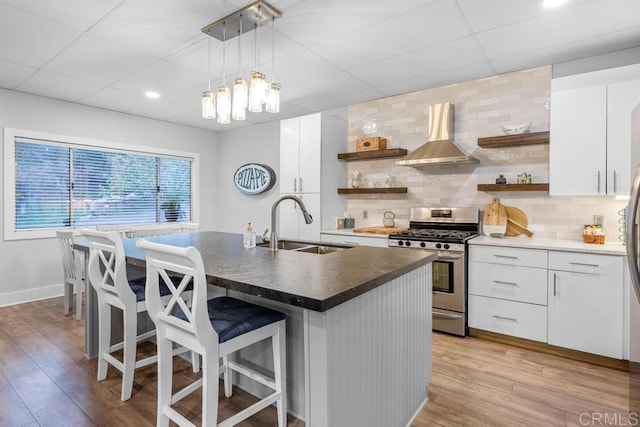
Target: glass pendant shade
{"x": 257, "y": 92}
{"x": 223, "y": 104}
{"x": 273, "y": 99}
{"x": 208, "y": 105}
{"x": 240, "y": 99}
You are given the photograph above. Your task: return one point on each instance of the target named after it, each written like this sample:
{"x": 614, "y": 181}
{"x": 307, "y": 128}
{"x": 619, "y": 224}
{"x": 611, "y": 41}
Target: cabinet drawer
{"x": 517, "y": 319}
{"x": 603, "y": 265}
{"x": 509, "y": 256}
{"x": 355, "y": 240}
{"x": 524, "y": 284}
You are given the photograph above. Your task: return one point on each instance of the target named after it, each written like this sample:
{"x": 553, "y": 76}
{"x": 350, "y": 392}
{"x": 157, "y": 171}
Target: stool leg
{"x": 78, "y": 289}
{"x": 210, "y": 372}
{"x": 228, "y": 377}
{"x": 130, "y": 318}
{"x": 195, "y": 362}
{"x": 165, "y": 377}
{"x": 104, "y": 337}
{"x": 279, "y": 345}
{"x": 68, "y": 296}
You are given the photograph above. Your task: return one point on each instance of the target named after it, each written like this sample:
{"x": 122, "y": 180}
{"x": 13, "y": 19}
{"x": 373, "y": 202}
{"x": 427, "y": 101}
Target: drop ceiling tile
{"x": 343, "y": 99}
{"x": 161, "y": 110}
{"x": 158, "y": 28}
{"x": 100, "y": 61}
{"x": 163, "y": 77}
{"x": 57, "y": 86}
{"x": 302, "y": 65}
{"x": 319, "y": 87}
{"x": 563, "y": 26}
{"x": 78, "y": 14}
{"x": 446, "y": 56}
{"x": 435, "y": 23}
{"x": 30, "y": 40}
{"x": 114, "y": 99}
{"x": 11, "y": 74}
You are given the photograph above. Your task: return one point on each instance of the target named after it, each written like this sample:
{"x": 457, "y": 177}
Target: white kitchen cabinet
{"x": 585, "y": 303}
{"x": 292, "y": 225}
{"x": 508, "y": 291}
{"x": 300, "y": 154}
{"x": 590, "y": 139}
{"x": 355, "y": 240}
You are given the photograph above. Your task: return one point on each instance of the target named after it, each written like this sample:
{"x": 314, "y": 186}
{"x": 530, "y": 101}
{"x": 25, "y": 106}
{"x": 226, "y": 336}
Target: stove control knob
{"x": 422, "y": 244}
{"x": 438, "y": 245}
{"x": 400, "y": 243}
{"x": 446, "y": 246}
{"x": 407, "y": 243}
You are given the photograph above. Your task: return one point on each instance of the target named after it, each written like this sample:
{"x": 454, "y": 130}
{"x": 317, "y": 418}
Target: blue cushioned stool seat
{"x": 232, "y": 317}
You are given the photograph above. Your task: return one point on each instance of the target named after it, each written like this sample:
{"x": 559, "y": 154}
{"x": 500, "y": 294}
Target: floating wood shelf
{"x": 373, "y": 154}
{"x": 514, "y": 140}
{"x": 375, "y": 190}
{"x": 541, "y": 186}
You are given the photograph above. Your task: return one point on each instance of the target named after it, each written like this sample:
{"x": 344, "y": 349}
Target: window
{"x": 58, "y": 182}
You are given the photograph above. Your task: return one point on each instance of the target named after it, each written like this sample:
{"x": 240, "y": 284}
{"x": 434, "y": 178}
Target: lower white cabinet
{"x": 508, "y": 317}
{"x": 585, "y": 303}
{"x": 354, "y": 240}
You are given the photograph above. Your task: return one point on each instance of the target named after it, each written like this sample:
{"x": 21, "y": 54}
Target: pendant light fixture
{"x": 208, "y": 97}
{"x": 273, "y": 96}
{"x": 254, "y": 95}
{"x": 240, "y": 87}
{"x": 258, "y": 88}
{"x": 223, "y": 98}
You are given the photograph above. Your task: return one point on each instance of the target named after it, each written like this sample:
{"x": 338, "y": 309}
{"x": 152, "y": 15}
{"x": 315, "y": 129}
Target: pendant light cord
{"x": 209, "y": 62}
{"x": 239, "y": 47}
{"x": 224, "y": 54}
{"x": 273, "y": 50}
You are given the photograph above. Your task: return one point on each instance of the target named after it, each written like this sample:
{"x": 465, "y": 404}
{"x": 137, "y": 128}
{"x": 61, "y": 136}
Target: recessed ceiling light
{"x": 553, "y": 3}
{"x": 152, "y": 94}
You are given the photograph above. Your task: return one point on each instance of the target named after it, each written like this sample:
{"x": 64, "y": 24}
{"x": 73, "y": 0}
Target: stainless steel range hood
{"x": 439, "y": 148}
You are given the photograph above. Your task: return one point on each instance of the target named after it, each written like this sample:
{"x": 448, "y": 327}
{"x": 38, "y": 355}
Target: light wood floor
{"x": 45, "y": 380}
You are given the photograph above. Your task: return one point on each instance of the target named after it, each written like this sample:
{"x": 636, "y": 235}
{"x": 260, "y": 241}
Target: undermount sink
{"x": 308, "y": 247}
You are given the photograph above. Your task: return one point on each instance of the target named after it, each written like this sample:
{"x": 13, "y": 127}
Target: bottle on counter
{"x": 249, "y": 237}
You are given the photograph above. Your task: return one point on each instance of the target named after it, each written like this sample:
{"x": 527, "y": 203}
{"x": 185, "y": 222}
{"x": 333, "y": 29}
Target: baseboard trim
{"x": 608, "y": 362}
{"x": 28, "y": 295}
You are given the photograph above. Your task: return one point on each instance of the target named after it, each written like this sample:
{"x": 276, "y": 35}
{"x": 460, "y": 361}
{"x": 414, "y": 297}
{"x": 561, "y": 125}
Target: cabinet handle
{"x": 295, "y": 185}
{"x": 505, "y": 256}
{"x": 615, "y": 175}
{"x": 351, "y": 243}
{"x": 512, "y": 319}
{"x": 500, "y": 282}
{"x": 555, "y": 281}
{"x": 584, "y": 264}
{"x": 301, "y": 184}
{"x": 598, "y": 182}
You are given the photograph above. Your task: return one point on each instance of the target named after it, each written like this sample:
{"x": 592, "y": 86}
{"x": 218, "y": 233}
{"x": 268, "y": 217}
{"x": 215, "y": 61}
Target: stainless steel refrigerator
{"x": 633, "y": 247}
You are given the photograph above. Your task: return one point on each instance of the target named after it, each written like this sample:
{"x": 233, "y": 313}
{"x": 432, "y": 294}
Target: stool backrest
{"x": 107, "y": 265}
{"x": 190, "y": 325}
{"x": 69, "y": 260}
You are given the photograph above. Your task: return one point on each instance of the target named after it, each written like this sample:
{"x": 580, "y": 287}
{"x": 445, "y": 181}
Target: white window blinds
{"x": 63, "y": 185}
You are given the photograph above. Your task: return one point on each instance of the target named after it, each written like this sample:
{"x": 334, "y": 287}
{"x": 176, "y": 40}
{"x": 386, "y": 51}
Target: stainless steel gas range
{"x": 445, "y": 230}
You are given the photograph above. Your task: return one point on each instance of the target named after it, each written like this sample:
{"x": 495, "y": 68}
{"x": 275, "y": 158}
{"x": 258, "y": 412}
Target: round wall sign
{"x": 254, "y": 178}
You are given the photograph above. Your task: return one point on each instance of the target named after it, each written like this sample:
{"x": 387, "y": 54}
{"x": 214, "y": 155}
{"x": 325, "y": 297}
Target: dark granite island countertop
{"x": 313, "y": 281}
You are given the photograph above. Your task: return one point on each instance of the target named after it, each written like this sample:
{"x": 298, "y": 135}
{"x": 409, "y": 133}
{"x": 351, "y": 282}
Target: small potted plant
{"x": 171, "y": 207}
{"x": 501, "y": 179}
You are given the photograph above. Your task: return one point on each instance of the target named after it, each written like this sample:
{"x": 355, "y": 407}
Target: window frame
{"x": 10, "y": 135}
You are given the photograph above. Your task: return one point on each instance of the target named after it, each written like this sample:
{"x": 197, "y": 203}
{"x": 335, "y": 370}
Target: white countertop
{"x": 552, "y": 244}
{"x": 349, "y": 232}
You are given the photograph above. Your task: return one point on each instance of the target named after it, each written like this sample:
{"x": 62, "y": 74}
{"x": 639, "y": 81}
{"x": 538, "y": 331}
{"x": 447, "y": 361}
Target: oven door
{"x": 448, "y": 282}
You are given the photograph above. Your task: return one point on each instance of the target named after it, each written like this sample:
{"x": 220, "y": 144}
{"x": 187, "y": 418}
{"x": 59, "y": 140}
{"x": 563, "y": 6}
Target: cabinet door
{"x": 622, "y": 98}
{"x": 310, "y": 231}
{"x": 289, "y": 155}
{"x": 288, "y": 224}
{"x": 585, "y": 312}
{"x": 310, "y": 153}
{"x": 577, "y": 150}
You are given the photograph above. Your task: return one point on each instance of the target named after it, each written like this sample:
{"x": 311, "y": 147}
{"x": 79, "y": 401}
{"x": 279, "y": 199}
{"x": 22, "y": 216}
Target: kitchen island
{"x": 358, "y": 323}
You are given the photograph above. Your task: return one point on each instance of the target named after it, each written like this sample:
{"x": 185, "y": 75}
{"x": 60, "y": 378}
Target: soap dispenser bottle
{"x": 249, "y": 237}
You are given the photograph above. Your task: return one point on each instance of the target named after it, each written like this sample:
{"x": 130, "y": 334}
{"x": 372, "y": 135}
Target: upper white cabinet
{"x": 590, "y": 132}
{"x": 292, "y": 224}
{"x": 300, "y": 154}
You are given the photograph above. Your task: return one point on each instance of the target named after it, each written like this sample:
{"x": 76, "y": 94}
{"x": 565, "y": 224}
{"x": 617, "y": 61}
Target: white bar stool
{"x": 213, "y": 328}
{"x": 73, "y": 281}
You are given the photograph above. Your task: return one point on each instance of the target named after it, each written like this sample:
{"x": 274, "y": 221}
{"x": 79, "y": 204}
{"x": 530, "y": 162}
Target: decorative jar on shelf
{"x": 501, "y": 180}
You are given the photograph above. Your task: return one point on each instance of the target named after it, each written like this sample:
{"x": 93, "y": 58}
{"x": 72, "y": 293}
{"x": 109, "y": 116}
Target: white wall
{"x": 31, "y": 269}
{"x": 252, "y": 144}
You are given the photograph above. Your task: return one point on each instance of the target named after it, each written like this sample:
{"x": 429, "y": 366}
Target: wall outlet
{"x": 365, "y": 214}
{"x": 598, "y": 220}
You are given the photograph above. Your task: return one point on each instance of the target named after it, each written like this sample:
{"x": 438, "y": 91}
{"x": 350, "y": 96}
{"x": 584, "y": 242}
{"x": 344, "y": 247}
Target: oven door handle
{"x": 446, "y": 315}
{"x": 446, "y": 255}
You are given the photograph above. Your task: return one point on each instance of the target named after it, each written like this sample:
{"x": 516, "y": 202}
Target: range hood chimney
{"x": 439, "y": 148}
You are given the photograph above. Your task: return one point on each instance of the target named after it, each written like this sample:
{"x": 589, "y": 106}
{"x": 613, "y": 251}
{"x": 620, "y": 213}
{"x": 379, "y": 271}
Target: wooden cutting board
{"x": 495, "y": 218}
{"x": 380, "y": 230}
{"x": 517, "y": 222}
